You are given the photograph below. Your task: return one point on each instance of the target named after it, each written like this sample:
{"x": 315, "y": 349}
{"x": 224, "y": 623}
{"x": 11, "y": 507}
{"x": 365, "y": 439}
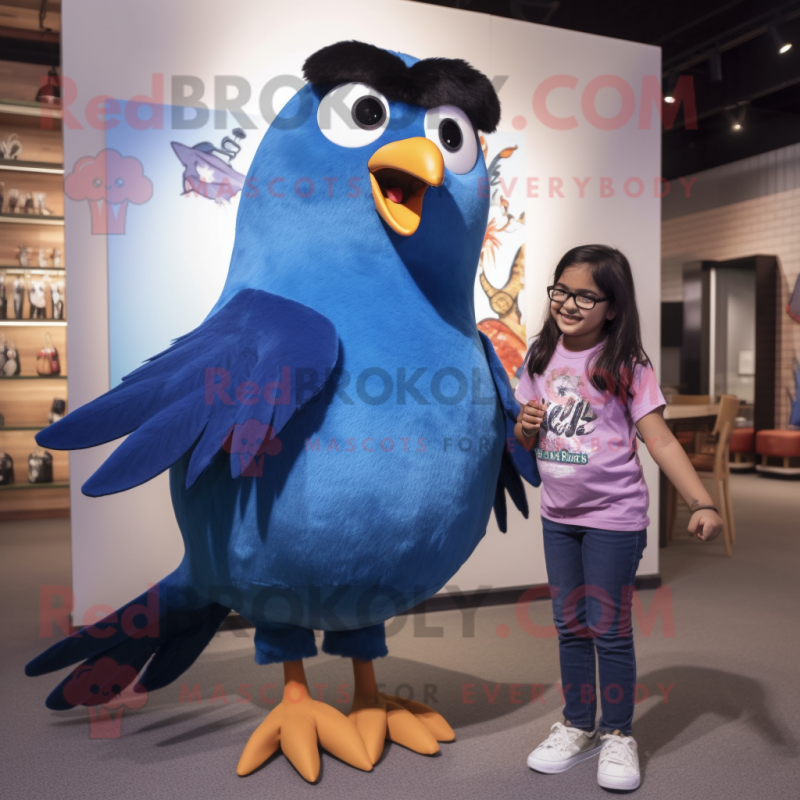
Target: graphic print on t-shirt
{"x": 587, "y": 443}
{"x": 568, "y": 419}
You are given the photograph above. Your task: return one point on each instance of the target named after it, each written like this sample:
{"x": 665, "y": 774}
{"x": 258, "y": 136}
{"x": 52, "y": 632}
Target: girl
{"x": 587, "y": 387}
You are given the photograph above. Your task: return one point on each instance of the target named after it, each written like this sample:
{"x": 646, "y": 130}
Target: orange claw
{"x": 298, "y": 725}
{"x": 431, "y": 719}
{"x": 379, "y": 717}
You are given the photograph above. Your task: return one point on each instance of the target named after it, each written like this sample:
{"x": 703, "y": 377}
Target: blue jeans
{"x": 591, "y": 575}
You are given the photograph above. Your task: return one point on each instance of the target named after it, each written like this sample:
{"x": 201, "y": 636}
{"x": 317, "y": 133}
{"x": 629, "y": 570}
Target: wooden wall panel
{"x": 14, "y": 234}
{"x": 38, "y": 143}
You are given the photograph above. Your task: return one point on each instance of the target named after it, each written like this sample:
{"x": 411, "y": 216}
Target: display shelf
{"x": 20, "y": 485}
{"x": 14, "y": 268}
{"x": 23, "y": 427}
{"x": 42, "y": 167}
{"x": 22, "y": 109}
{"x": 31, "y": 219}
{"x": 38, "y": 168}
{"x": 32, "y": 378}
{"x": 55, "y": 323}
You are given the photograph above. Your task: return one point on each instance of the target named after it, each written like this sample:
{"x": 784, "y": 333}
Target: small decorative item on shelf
{"x": 2, "y": 195}
{"x": 50, "y": 93}
{"x": 39, "y": 203}
{"x": 3, "y": 297}
{"x": 11, "y": 364}
{"x": 47, "y": 358}
{"x": 37, "y": 299}
{"x": 22, "y": 255}
{"x": 57, "y": 295}
{"x": 2, "y": 420}
{"x": 6, "y": 469}
{"x": 57, "y": 258}
{"x": 13, "y": 199}
{"x": 40, "y": 466}
{"x": 29, "y": 208}
{"x": 42, "y": 257}
{"x": 11, "y": 147}
{"x": 57, "y": 410}
{"x": 19, "y": 296}
{"x": 3, "y": 351}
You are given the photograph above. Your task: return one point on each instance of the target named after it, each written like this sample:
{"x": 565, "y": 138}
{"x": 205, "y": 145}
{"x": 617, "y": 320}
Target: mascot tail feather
{"x": 169, "y": 622}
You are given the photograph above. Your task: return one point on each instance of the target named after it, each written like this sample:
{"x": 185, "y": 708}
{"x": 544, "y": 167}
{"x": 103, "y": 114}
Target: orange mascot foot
{"x": 298, "y": 725}
{"x": 380, "y": 717}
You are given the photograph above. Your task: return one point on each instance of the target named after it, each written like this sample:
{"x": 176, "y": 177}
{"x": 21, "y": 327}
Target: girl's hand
{"x": 705, "y": 525}
{"x": 530, "y": 418}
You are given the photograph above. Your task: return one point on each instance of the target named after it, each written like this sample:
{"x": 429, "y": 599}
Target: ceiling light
{"x": 782, "y": 45}
{"x": 668, "y": 88}
{"x": 736, "y": 116}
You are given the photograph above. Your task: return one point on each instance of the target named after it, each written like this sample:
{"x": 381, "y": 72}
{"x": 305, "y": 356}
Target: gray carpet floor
{"x": 727, "y": 728}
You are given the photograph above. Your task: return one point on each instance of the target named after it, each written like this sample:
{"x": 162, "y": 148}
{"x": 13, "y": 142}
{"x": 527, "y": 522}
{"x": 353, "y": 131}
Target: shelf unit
{"x": 20, "y": 108}
{"x": 24, "y": 402}
{"x": 31, "y": 219}
{"x": 47, "y": 323}
{"x": 42, "y": 167}
{"x": 18, "y": 486}
{"x": 21, "y": 427}
{"x": 18, "y": 268}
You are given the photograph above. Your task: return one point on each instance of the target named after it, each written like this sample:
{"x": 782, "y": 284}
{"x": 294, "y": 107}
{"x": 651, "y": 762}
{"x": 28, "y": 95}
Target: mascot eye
{"x": 450, "y": 135}
{"x": 353, "y": 115}
{"x": 369, "y": 113}
{"x": 449, "y": 128}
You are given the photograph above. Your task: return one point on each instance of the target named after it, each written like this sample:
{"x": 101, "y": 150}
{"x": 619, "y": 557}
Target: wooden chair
{"x": 689, "y": 399}
{"x": 687, "y": 432}
{"x": 711, "y": 463}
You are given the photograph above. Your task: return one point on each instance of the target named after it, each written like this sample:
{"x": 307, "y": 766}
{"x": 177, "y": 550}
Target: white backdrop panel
{"x": 123, "y": 542}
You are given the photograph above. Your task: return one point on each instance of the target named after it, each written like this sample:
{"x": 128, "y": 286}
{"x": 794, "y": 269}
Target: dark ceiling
{"x": 759, "y": 87}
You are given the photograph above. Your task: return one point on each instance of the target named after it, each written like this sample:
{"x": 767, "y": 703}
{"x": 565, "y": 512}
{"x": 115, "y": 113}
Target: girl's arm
{"x": 672, "y": 459}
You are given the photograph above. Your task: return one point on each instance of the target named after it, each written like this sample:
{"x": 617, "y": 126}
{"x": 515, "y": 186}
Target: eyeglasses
{"x": 584, "y": 301}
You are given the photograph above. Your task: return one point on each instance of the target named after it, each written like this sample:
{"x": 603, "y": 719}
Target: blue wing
{"x": 169, "y": 622}
{"x": 249, "y": 367}
{"x": 517, "y": 461}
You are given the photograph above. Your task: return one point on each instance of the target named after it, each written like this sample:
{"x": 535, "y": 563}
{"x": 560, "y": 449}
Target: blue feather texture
{"x": 170, "y": 622}
{"x": 516, "y": 461}
{"x": 243, "y": 372}
{"x": 378, "y": 496}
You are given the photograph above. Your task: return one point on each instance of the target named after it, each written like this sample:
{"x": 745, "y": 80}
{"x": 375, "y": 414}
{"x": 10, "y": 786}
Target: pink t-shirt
{"x": 586, "y": 450}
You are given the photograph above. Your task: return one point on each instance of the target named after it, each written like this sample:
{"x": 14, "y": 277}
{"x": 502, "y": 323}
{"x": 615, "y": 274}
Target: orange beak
{"x": 400, "y": 173}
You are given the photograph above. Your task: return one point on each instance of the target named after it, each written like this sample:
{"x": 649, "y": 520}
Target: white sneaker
{"x": 563, "y": 748}
{"x": 618, "y": 767}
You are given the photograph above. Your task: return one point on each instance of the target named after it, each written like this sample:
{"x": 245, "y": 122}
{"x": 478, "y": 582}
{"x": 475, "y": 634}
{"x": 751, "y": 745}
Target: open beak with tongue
{"x": 400, "y": 172}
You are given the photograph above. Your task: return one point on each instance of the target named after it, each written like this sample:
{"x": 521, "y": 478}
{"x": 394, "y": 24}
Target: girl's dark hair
{"x": 622, "y": 347}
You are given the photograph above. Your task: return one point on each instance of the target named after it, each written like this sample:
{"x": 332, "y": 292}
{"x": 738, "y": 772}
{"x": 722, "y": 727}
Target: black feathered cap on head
{"x": 428, "y": 83}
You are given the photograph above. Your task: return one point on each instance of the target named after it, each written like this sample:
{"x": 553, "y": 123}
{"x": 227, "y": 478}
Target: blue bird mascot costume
{"x": 336, "y": 431}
